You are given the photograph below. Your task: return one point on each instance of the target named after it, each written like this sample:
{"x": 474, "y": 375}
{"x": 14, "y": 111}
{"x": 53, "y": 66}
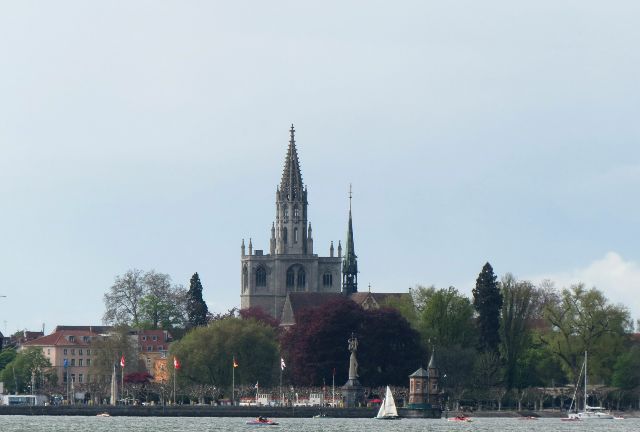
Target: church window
{"x": 327, "y": 279}
{"x": 296, "y": 214}
{"x": 286, "y": 213}
{"x": 302, "y": 278}
{"x": 290, "y": 278}
{"x": 261, "y": 277}
{"x": 245, "y": 281}
{"x": 295, "y": 235}
{"x": 284, "y": 234}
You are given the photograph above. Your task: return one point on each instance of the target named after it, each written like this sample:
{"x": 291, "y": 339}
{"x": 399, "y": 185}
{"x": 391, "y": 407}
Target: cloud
{"x": 617, "y": 278}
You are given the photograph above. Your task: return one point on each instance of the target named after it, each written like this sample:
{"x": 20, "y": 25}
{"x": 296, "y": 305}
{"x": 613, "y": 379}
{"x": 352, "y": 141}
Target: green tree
{"x": 163, "y": 304}
{"x": 583, "y": 320}
{"x": 196, "y": 307}
{"x": 487, "y": 301}
{"x": 520, "y": 299}
{"x": 146, "y": 300}
{"x": 6, "y": 357}
{"x": 626, "y": 374}
{"x": 206, "y": 353}
{"x": 444, "y": 317}
{"x": 28, "y": 366}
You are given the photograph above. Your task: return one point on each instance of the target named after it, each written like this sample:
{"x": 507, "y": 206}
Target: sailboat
{"x": 590, "y": 412}
{"x": 388, "y": 409}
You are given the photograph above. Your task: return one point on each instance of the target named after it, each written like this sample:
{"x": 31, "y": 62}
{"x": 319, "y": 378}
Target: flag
{"x": 176, "y": 363}
{"x": 235, "y": 363}
{"x": 282, "y": 365}
{"x": 256, "y": 386}
{"x": 66, "y": 363}
{"x": 122, "y": 361}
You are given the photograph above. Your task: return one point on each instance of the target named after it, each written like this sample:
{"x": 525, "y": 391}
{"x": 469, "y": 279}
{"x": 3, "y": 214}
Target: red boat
{"x": 262, "y": 421}
{"x": 459, "y": 419}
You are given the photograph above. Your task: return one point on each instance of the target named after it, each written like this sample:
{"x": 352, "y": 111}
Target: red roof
{"x": 61, "y": 338}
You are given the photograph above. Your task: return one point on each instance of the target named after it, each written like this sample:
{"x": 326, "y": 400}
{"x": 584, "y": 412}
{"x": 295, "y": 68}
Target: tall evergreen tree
{"x": 487, "y": 300}
{"x": 196, "y": 307}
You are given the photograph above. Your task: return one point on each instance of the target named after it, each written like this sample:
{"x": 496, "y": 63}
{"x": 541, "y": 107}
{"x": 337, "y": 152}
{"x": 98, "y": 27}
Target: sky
{"x": 152, "y": 135}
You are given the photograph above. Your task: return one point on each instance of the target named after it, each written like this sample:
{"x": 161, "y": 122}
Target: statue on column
{"x": 353, "y": 362}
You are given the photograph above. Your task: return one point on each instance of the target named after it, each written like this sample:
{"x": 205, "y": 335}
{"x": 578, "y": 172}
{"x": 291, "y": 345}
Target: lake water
{"x": 191, "y": 424}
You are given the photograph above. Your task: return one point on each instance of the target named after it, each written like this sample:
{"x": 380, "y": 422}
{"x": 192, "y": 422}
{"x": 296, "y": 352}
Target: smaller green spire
{"x": 350, "y": 261}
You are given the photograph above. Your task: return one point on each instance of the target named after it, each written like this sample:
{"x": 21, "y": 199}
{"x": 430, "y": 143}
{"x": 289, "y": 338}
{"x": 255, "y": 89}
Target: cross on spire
{"x": 350, "y": 196}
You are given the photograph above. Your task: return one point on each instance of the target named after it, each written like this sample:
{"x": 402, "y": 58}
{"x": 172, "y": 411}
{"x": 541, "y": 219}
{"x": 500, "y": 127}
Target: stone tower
{"x": 350, "y": 262}
{"x": 290, "y": 265}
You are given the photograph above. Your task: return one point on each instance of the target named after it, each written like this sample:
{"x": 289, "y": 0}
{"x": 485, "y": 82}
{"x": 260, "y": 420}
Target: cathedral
{"x": 291, "y": 266}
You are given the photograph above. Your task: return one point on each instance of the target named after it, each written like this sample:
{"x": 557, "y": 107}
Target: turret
{"x": 242, "y": 248}
{"x": 250, "y": 247}
{"x": 331, "y": 249}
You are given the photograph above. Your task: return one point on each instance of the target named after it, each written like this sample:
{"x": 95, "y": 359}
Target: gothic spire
{"x": 291, "y": 184}
{"x": 350, "y": 262}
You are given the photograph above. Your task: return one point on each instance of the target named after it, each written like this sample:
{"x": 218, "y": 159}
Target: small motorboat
{"x": 104, "y": 414}
{"x": 460, "y": 419}
{"x": 262, "y": 421}
{"x": 528, "y": 418}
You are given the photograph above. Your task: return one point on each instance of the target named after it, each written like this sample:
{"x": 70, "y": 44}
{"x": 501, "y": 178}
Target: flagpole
{"x": 333, "y": 391}
{"x": 122, "y": 385}
{"x": 281, "y": 394}
{"x": 174, "y": 382}
{"x": 233, "y": 382}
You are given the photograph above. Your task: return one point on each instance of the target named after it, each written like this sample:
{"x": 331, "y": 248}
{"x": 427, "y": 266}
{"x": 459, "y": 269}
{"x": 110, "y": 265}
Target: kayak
{"x": 459, "y": 419}
{"x": 265, "y": 422}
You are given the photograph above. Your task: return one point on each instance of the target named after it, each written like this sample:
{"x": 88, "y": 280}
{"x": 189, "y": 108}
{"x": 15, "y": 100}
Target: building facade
{"x": 291, "y": 264}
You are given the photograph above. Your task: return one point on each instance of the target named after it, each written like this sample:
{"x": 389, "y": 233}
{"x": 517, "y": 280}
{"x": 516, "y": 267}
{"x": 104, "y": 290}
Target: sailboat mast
{"x": 585, "y": 380}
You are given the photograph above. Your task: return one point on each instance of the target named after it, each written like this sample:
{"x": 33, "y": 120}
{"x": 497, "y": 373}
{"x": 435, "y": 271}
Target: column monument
{"x": 352, "y": 391}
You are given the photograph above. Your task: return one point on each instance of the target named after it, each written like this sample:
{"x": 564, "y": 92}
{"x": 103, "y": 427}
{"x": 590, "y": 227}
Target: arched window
{"x": 290, "y": 277}
{"x": 302, "y": 279}
{"x": 327, "y": 279}
{"x": 261, "y": 277}
{"x": 295, "y": 235}
{"x": 296, "y": 214}
{"x": 245, "y": 278}
{"x": 286, "y": 213}
{"x": 284, "y": 234}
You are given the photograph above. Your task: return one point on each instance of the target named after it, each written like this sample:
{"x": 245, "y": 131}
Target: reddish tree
{"x": 258, "y": 314}
{"x": 138, "y": 378}
{"x": 389, "y": 349}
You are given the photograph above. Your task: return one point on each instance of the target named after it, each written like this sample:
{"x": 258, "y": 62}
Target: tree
{"x": 626, "y": 374}
{"x": 487, "y": 301}
{"x": 123, "y": 299}
{"x": 6, "y": 357}
{"x": 258, "y": 314}
{"x": 147, "y": 300}
{"x": 520, "y": 300}
{"x": 108, "y": 351}
{"x": 206, "y": 353}
{"x": 444, "y": 317}
{"x": 388, "y": 350}
{"x": 583, "y": 320}
{"x": 28, "y": 366}
{"x": 163, "y": 305}
{"x": 196, "y": 307}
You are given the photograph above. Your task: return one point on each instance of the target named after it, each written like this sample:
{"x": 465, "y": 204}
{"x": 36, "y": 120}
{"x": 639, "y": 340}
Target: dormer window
{"x": 72, "y": 338}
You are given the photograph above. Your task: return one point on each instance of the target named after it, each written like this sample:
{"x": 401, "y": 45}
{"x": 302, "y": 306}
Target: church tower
{"x": 350, "y": 262}
{"x": 291, "y": 232}
{"x": 291, "y": 266}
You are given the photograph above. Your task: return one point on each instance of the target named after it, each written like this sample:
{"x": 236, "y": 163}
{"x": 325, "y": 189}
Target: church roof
{"x": 420, "y": 373}
{"x": 361, "y": 297}
{"x": 307, "y": 300}
{"x": 432, "y": 361}
{"x": 291, "y": 183}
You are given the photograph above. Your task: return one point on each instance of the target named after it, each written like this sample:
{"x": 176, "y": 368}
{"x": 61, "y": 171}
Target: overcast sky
{"x": 152, "y": 134}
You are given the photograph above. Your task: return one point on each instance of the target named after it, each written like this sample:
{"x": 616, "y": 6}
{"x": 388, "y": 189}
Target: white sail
{"x": 388, "y": 407}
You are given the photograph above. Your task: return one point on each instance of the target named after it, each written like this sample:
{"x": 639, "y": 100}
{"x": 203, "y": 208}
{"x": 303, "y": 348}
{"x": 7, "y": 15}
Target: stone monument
{"x": 352, "y": 391}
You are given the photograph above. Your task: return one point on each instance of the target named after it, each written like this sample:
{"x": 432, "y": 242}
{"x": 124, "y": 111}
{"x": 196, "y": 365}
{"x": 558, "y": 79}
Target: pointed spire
{"x": 432, "y": 360}
{"x": 350, "y": 262}
{"x": 250, "y": 247}
{"x": 291, "y": 183}
{"x": 242, "y": 247}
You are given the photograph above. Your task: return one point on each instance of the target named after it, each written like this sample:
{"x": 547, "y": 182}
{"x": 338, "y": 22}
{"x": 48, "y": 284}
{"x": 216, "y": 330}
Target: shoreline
{"x": 275, "y": 412}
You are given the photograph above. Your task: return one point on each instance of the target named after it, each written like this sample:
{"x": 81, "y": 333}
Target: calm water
{"x": 162, "y": 424}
